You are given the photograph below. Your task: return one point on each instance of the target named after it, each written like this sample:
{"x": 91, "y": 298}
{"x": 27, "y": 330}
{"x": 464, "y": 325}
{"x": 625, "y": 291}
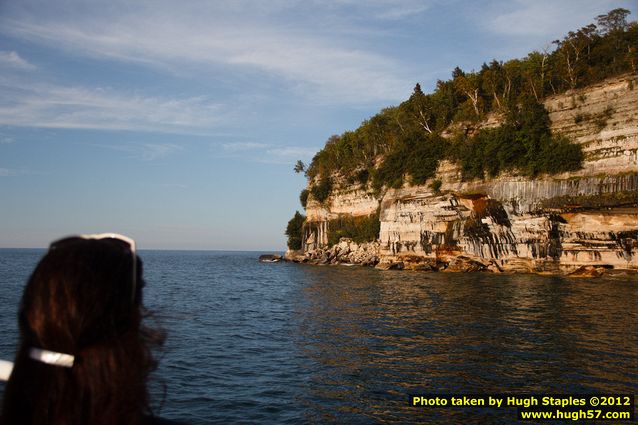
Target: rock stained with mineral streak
{"x": 583, "y": 222}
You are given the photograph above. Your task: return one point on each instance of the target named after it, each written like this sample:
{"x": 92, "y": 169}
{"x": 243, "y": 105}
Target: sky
{"x": 178, "y": 123}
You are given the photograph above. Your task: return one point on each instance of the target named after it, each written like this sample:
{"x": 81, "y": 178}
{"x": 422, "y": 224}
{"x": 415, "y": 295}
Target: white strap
{"x": 5, "y": 370}
{"x": 51, "y": 357}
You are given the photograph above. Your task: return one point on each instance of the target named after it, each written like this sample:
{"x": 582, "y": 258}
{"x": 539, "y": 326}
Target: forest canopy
{"x": 406, "y": 143}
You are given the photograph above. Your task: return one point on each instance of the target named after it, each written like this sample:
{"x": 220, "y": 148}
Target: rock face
{"x": 583, "y": 222}
{"x": 270, "y": 258}
{"x": 345, "y": 252}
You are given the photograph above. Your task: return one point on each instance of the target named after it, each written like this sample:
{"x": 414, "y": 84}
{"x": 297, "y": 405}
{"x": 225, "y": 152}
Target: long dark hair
{"x": 82, "y": 300}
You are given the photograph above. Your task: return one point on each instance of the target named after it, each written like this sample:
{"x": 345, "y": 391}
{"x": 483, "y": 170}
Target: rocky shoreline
{"x": 350, "y": 253}
{"x": 345, "y": 252}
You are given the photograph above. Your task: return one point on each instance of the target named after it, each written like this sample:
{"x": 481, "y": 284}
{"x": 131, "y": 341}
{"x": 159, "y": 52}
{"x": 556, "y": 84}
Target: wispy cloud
{"x": 56, "y": 106}
{"x": 542, "y": 17}
{"x": 291, "y": 152}
{"x": 6, "y": 140}
{"x": 386, "y": 9}
{"x": 153, "y": 151}
{"x": 266, "y": 153}
{"x": 243, "y": 146}
{"x": 212, "y": 34}
{"x": 5, "y": 172}
{"x": 143, "y": 151}
{"x": 13, "y": 60}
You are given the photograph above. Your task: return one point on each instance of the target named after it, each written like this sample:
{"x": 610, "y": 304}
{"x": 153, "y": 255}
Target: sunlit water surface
{"x": 286, "y": 344}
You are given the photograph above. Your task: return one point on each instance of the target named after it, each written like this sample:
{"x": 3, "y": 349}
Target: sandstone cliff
{"x": 555, "y": 224}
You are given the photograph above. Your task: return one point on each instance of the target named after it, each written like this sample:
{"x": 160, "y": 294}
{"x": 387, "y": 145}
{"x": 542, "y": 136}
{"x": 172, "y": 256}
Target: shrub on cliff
{"x": 303, "y": 197}
{"x": 524, "y": 144}
{"x": 416, "y": 155}
{"x": 561, "y": 156}
{"x": 294, "y": 231}
{"x": 321, "y": 191}
{"x": 359, "y": 229}
{"x": 435, "y": 185}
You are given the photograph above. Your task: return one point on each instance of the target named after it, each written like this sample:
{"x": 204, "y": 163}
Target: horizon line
{"x": 166, "y": 249}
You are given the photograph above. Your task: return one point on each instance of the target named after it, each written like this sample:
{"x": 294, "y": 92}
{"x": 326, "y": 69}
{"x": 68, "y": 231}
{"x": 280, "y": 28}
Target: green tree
{"x": 303, "y": 197}
{"x": 300, "y": 166}
{"x": 470, "y": 86}
{"x": 445, "y": 102}
{"x": 419, "y": 111}
{"x": 612, "y": 21}
{"x": 294, "y": 231}
{"x": 513, "y": 81}
{"x": 492, "y": 83}
{"x": 524, "y": 143}
{"x": 572, "y": 52}
{"x": 534, "y": 72}
{"x": 561, "y": 155}
{"x": 322, "y": 190}
{"x": 416, "y": 155}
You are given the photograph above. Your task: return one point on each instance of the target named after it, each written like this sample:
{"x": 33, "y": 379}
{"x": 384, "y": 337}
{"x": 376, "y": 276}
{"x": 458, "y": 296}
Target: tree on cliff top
{"x": 393, "y": 146}
{"x": 299, "y": 166}
{"x": 614, "y": 20}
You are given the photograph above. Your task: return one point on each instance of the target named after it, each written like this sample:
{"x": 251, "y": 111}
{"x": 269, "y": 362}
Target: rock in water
{"x": 269, "y": 258}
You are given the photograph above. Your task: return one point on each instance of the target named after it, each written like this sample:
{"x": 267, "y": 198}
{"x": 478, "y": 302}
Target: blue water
{"x": 287, "y": 344}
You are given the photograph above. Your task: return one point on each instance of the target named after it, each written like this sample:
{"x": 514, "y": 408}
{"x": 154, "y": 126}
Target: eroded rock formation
{"x": 585, "y": 221}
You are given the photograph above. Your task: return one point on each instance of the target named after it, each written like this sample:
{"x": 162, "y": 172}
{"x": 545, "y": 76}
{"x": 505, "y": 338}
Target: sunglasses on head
{"x": 61, "y": 359}
{"x": 114, "y": 239}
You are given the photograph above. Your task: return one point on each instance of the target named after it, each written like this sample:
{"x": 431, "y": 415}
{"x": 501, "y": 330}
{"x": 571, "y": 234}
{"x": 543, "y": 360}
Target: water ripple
{"x": 288, "y": 344}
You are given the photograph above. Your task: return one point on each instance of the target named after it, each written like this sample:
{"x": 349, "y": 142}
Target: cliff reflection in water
{"x": 374, "y": 337}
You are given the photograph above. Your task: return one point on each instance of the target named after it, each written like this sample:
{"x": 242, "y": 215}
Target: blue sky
{"x": 179, "y": 122}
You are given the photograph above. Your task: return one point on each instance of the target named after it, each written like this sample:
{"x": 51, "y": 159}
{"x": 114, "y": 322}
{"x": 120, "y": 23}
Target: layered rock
{"x": 345, "y": 252}
{"x": 585, "y": 221}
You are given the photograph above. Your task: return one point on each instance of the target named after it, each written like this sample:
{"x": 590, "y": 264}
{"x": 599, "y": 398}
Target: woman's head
{"x": 83, "y": 292}
{"x": 83, "y": 301}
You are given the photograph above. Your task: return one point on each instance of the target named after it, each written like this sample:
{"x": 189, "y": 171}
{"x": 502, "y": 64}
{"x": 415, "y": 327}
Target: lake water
{"x": 292, "y": 344}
